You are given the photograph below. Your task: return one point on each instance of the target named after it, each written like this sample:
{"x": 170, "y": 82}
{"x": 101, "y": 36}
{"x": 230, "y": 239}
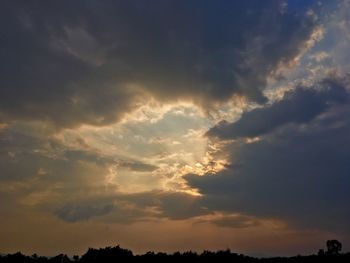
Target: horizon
{"x": 174, "y": 125}
{"x": 257, "y": 255}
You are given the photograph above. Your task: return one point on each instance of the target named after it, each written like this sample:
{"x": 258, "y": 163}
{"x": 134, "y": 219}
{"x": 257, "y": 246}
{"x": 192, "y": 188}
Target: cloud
{"x": 77, "y": 184}
{"x": 91, "y": 62}
{"x": 298, "y": 106}
{"x": 137, "y": 166}
{"x": 298, "y": 173}
{"x": 24, "y": 152}
{"x": 82, "y": 212}
{"x": 172, "y": 205}
{"x": 235, "y": 221}
{"x": 100, "y": 158}
{"x": 128, "y": 208}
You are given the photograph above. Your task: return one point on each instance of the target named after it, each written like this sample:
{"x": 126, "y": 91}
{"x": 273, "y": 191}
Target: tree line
{"x": 117, "y": 254}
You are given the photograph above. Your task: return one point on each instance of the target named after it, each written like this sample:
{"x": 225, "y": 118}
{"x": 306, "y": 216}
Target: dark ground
{"x": 118, "y": 254}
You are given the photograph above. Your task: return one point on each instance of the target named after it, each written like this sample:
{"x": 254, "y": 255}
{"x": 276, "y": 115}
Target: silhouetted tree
{"x": 61, "y": 258}
{"x": 333, "y": 247}
{"x": 120, "y": 255}
{"x": 105, "y": 255}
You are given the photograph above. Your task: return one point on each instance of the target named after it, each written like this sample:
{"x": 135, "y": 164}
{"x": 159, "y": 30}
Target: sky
{"x": 174, "y": 125}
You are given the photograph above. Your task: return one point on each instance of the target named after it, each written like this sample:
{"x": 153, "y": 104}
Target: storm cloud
{"x": 69, "y": 63}
{"x": 298, "y": 172}
{"x": 298, "y": 106}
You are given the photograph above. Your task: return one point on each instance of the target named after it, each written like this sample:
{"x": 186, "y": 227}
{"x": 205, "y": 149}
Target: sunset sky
{"x": 171, "y": 125}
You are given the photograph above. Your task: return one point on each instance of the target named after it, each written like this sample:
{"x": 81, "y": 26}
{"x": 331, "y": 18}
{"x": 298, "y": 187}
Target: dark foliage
{"x": 118, "y": 254}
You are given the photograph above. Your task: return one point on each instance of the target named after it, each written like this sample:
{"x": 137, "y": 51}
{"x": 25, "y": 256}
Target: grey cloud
{"x": 99, "y": 158}
{"x": 236, "y": 221}
{"x": 128, "y": 208}
{"x": 169, "y": 204}
{"x": 298, "y": 106}
{"x": 18, "y": 159}
{"x": 80, "y": 212}
{"x": 70, "y": 183}
{"x": 72, "y": 63}
{"x": 137, "y": 166}
{"x": 22, "y": 154}
{"x": 181, "y": 206}
{"x": 299, "y": 173}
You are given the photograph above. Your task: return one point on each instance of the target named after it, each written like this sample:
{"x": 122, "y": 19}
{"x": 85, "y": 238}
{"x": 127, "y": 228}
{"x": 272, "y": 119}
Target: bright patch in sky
{"x": 152, "y": 148}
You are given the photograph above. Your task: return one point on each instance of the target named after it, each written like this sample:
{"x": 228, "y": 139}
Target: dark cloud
{"x": 101, "y": 159}
{"x": 173, "y": 205}
{"x": 299, "y": 173}
{"x": 236, "y": 221}
{"x": 137, "y": 166}
{"x": 128, "y": 208}
{"x": 23, "y": 153}
{"x": 80, "y": 212}
{"x": 92, "y": 61}
{"x": 70, "y": 183}
{"x": 298, "y": 106}
{"x": 180, "y": 206}
{"x": 18, "y": 159}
